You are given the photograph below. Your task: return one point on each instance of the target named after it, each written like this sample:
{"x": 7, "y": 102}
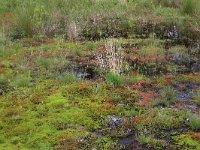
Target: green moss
{"x": 153, "y": 143}
{"x": 56, "y": 101}
{"x": 77, "y": 116}
{"x": 185, "y": 141}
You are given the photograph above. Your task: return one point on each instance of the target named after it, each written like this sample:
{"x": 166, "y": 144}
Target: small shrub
{"x": 168, "y": 96}
{"x": 160, "y": 102}
{"x": 194, "y": 121}
{"x": 113, "y": 79}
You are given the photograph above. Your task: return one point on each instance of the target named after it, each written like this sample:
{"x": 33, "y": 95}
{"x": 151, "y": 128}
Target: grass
{"x": 155, "y": 119}
{"x": 35, "y": 18}
{"x": 194, "y": 120}
{"x": 196, "y": 99}
{"x": 21, "y": 81}
{"x": 44, "y": 62}
{"x": 67, "y": 78}
{"x": 114, "y": 79}
{"x": 167, "y": 97}
{"x": 190, "y": 7}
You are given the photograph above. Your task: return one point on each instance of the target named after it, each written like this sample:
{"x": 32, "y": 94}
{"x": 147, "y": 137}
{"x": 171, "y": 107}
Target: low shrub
{"x": 167, "y": 97}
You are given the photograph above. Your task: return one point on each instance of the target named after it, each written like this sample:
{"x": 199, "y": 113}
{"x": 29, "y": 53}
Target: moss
{"x": 71, "y": 138}
{"x": 152, "y": 143}
{"x": 185, "y": 141}
{"x": 78, "y": 116}
{"x": 42, "y": 106}
{"x": 103, "y": 143}
{"x": 56, "y": 101}
{"x": 155, "y": 119}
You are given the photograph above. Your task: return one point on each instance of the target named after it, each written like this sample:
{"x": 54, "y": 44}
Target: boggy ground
{"x": 54, "y": 95}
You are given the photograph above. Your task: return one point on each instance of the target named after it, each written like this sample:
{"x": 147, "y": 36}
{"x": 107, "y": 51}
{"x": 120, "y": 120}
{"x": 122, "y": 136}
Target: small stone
{"x": 114, "y": 121}
{"x": 195, "y": 67}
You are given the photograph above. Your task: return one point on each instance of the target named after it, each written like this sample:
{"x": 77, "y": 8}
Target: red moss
{"x": 146, "y": 98}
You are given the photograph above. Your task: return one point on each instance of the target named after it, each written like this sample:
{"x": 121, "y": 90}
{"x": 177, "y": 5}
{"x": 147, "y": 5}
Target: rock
{"x": 173, "y": 34}
{"x": 120, "y": 104}
{"x": 177, "y": 58}
{"x": 183, "y": 97}
{"x": 114, "y": 121}
{"x": 195, "y": 67}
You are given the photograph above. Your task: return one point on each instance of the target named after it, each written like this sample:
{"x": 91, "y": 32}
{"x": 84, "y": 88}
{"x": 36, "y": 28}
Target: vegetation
{"x": 99, "y": 74}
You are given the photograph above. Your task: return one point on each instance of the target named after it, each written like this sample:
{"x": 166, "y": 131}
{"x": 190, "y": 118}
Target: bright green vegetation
{"x": 95, "y": 74}
{"x": 185, "y": 140}
{"x": 44, "y": 106}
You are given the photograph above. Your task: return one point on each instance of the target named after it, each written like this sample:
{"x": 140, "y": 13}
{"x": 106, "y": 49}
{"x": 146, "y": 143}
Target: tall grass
{"x": 78, "y": 18}
{"x": 190, "y": 7}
